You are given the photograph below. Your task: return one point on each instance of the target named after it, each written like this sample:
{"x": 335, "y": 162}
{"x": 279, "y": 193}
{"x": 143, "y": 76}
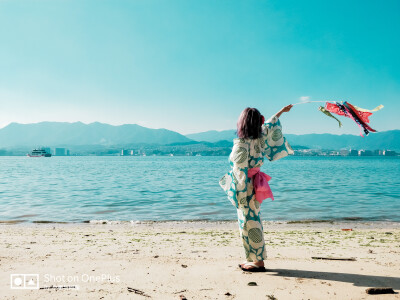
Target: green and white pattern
{"x": 247, "y": 154}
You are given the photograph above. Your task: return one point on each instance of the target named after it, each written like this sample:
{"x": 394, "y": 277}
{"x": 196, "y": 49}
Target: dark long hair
{"x": 249, "y": 123}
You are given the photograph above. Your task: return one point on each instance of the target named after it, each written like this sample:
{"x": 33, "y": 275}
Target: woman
{"x": 245, "y": 185}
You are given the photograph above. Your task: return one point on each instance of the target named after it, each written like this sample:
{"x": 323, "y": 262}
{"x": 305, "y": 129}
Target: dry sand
{"x": 198, "y": 260}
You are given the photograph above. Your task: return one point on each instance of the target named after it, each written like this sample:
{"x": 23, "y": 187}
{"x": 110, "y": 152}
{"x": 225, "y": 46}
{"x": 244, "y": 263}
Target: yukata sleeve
{"x": 234, "y": 183}
{"x": 276, "y": 145}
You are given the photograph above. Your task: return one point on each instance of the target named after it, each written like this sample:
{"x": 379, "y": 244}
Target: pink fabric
{"x": 260, "y": 184}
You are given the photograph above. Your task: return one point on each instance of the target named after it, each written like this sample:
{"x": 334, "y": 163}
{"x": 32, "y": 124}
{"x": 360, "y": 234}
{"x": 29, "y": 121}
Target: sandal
{"x": 243, "y": 263}
{"x": 254, "y": 268}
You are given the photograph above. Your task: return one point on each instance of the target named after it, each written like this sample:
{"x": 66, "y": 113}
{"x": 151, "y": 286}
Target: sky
{"x": 194, "y": 65}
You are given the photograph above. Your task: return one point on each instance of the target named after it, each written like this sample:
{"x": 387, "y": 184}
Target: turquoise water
{"x": 76, "y": 189}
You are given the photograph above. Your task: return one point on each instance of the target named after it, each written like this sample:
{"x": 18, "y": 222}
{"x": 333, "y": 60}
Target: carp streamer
{"x": 357, "y": 114}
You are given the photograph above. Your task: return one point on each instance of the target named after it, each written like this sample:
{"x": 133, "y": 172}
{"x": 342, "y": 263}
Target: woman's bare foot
{"x": 241, "y": 264}
{"x": 259, "y": 263}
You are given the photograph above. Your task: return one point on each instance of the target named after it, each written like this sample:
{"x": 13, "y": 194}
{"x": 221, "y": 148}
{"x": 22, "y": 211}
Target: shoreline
{"x": 163, "y": 260}
{"x": 361, "y": 224}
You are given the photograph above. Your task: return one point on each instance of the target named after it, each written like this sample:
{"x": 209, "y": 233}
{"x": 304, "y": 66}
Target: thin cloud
{"x": 304, "y": 98}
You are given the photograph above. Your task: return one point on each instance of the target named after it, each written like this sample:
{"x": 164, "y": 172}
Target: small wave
{"x": 49, "y": 222}
{"x": 26, "y": 216}
{"x": 352, "y": 219}
{"x": 309, "y": 221}
{"x": 100, "y": 212}
{"x": 209, "y": 213}
{"x": 12, "y": 221}
{"x": 112, "y": 222}
{"x": 337, "y": 219}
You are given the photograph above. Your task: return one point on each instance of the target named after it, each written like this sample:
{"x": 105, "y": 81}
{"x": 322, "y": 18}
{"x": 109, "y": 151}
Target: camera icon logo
{"x": 24, "y": 281}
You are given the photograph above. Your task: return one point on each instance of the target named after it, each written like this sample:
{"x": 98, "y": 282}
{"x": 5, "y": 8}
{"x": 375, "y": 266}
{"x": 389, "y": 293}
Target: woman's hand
{"x": 287, "y": 108}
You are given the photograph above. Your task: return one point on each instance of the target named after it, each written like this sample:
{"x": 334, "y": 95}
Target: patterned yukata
{"x": 246, "y": 154}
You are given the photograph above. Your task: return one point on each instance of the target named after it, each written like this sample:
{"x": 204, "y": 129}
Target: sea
{"x": 161, "y": 188}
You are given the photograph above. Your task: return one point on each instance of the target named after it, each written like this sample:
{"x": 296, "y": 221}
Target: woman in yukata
{"x": 246, "y": 186}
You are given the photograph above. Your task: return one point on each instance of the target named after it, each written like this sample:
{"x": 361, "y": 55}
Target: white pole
{"x": 311, "y": 102}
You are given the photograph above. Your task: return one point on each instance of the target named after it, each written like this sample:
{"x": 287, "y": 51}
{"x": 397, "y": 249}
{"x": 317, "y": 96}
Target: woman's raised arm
{"x": 287, "y": 108}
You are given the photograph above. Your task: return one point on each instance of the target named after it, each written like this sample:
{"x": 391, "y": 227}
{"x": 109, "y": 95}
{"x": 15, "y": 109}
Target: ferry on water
{"x": 39, "y": 153}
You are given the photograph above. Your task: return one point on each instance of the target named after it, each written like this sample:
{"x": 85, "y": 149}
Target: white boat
{"x": 39, "y": 153}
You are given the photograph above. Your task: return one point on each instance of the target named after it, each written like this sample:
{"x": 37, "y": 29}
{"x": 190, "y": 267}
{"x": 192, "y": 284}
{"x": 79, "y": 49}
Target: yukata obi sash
{"x": 260, "y": 184}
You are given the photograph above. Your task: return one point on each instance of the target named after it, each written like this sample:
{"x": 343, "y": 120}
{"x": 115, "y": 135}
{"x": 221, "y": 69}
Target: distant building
{"x": 365, "y": 153}
{"x": 125, "y": 152}
{"x": 60, "y": 152}
{"x": 389, "y": 153}
{"x": 344, "y": 152}
{"x": 377, "y": 152}
{"x": 353, "y": 153}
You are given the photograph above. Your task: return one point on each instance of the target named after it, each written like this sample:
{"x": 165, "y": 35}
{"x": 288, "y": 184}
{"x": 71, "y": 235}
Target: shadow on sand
{"x": 356, "y": 279}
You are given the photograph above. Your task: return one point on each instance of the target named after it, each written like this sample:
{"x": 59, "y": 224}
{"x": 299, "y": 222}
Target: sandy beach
{"x": 197, "y": 260}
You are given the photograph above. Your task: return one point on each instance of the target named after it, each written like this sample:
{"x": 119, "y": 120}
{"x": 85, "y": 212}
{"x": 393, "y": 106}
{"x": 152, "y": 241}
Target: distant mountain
{"x": 213, "y": 136}
{"x": 73, "y": 135}
{"x": 380, "y": 140}
{"x": 68, "y": 134}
